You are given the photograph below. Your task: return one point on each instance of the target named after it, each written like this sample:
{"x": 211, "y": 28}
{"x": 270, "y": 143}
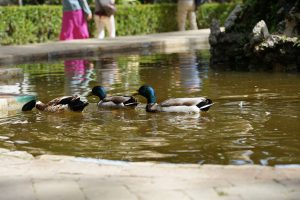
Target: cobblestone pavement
{"x": 51, "y": 177}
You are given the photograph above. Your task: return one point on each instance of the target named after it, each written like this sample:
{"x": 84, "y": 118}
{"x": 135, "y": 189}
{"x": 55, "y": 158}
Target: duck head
{"x": 148, "y": 92}
{"x": 98, "y": 91}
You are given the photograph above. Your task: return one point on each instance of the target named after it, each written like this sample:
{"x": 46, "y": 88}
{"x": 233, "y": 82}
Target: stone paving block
{"x": 153, "y": 183}
{"x": 231, "y": 172}
{"x": 97, "y": 188}
{"x": 259, "y": 190}
{"x": 269, "y": 173}
{"x": 57, "y": 189}
{"x": 65, "y": 178}
{"x": 290, "y": 173}
{"x": 163, "y": 195}
{"x": 295, "y": 195}
{"x": 210, "y": 193}
{"x": 206, "y": 183}
{"x": 16, "y": 188}
{"x": 291, "y": 184}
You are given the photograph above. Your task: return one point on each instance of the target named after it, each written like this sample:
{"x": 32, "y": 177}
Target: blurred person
{"x": 186, "y": 8}
{"x": 104, "y": 18}
{"x": 74, "y": 21}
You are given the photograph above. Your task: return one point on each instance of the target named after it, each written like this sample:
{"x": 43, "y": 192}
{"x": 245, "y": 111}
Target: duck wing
{"x": 53, "y": 108}
{"x": 60, "y": 104}
{"x": 182, "y": 102}
{"x": 126, "y": 100}
{"x": 63, "y": 100}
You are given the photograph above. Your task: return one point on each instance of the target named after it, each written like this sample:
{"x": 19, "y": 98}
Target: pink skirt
{"x": 74, "y": 26}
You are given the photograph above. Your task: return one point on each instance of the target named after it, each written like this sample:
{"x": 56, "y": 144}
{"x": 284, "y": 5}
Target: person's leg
{"x": 181, "y": 14}
{"x": 193, "y": 20}
{"x": 100, "y": 27}
{"x": 110, "y": 24}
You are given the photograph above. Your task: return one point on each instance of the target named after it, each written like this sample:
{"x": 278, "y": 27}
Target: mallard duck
{"x": 112, "y": 101}
{"x": 57, "y": 105}
{"x": 186, "y": 105}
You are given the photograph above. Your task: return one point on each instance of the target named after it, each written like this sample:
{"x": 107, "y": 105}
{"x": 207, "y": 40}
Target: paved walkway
{"x": 23, "y": 177}
{"x": 163, "y": 42}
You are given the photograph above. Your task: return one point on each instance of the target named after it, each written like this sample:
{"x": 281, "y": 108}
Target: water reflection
{"x": 79, "y": 73}
{"x": 11, "y": 85}
{"x": 254, "y": 119}
{"x": 107, "y": 71}
{"x": 189, "y": 76}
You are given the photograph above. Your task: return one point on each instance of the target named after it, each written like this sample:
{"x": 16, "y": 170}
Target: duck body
{"x": 118, "y": 102}
{"x": 112, "y": 101}
{"x": 58, "y": 105}
{"x": 179, "y": 105}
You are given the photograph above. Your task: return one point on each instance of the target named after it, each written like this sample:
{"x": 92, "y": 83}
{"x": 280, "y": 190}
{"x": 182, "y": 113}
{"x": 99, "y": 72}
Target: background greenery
{"x": 58, "y": 2}
{"x": 34, "y": 24}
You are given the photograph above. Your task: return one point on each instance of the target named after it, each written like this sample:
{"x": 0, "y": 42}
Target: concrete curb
{"x": 163, "y": 42}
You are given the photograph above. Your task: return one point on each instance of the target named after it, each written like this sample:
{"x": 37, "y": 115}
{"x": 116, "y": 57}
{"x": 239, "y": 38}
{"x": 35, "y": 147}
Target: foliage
{"x": 127, "y": 2}
{"x": 30, "y": 24}
{"x": 48, "y": 2}
{"x": 145, "y": 19}
{"x": 256, "y": 10}
{"x": 207, "y": 12}
{"x": 34, "y": 24}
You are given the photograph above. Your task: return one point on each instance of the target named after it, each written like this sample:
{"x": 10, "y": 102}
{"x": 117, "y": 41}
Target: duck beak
{"x": 135, "y": 94}
{"x": 90, "y": 94}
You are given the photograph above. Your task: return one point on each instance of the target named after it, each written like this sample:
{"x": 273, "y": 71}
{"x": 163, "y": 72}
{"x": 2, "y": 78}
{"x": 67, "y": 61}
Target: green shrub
{"x": 30, "y": 24}
{"x": 145, "y": 19}
{"x": 34, "y": 24}
{"x": 207, "y": 12}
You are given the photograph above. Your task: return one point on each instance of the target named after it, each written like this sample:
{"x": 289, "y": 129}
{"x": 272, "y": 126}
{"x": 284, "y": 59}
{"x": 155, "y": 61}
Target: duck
{"x": 57, "y": 105}
{"x": 179, "y": 105}
{"x": 113, "y": 101}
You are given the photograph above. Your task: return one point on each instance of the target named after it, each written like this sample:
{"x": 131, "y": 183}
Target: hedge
{"x": 34, "y": 24}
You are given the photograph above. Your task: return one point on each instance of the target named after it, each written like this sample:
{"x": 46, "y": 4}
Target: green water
{"x": 254, "y": 119}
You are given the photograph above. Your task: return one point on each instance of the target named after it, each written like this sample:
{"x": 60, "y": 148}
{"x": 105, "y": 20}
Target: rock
{"x": 229, "y": 22}
{"x": 247, "y": 43}
{"x": 214, "y": 32}
{"x": 276, "y": 41}
{"x": 259, "y": 33}
{"x": 290, "y": 26}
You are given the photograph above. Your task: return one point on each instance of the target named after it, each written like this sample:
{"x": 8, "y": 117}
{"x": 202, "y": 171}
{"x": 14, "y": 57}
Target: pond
{"x": 254, "y": 119}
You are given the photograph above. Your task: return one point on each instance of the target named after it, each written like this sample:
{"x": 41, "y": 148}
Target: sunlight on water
{"x": 254, "y": 119}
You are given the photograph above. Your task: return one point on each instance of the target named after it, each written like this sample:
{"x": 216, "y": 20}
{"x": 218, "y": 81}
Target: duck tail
{"x": 78, "y": 106}
{"x": 131, "y": 102}
{"x": 29, "y": 105}
{"x": 205, "y": 105}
